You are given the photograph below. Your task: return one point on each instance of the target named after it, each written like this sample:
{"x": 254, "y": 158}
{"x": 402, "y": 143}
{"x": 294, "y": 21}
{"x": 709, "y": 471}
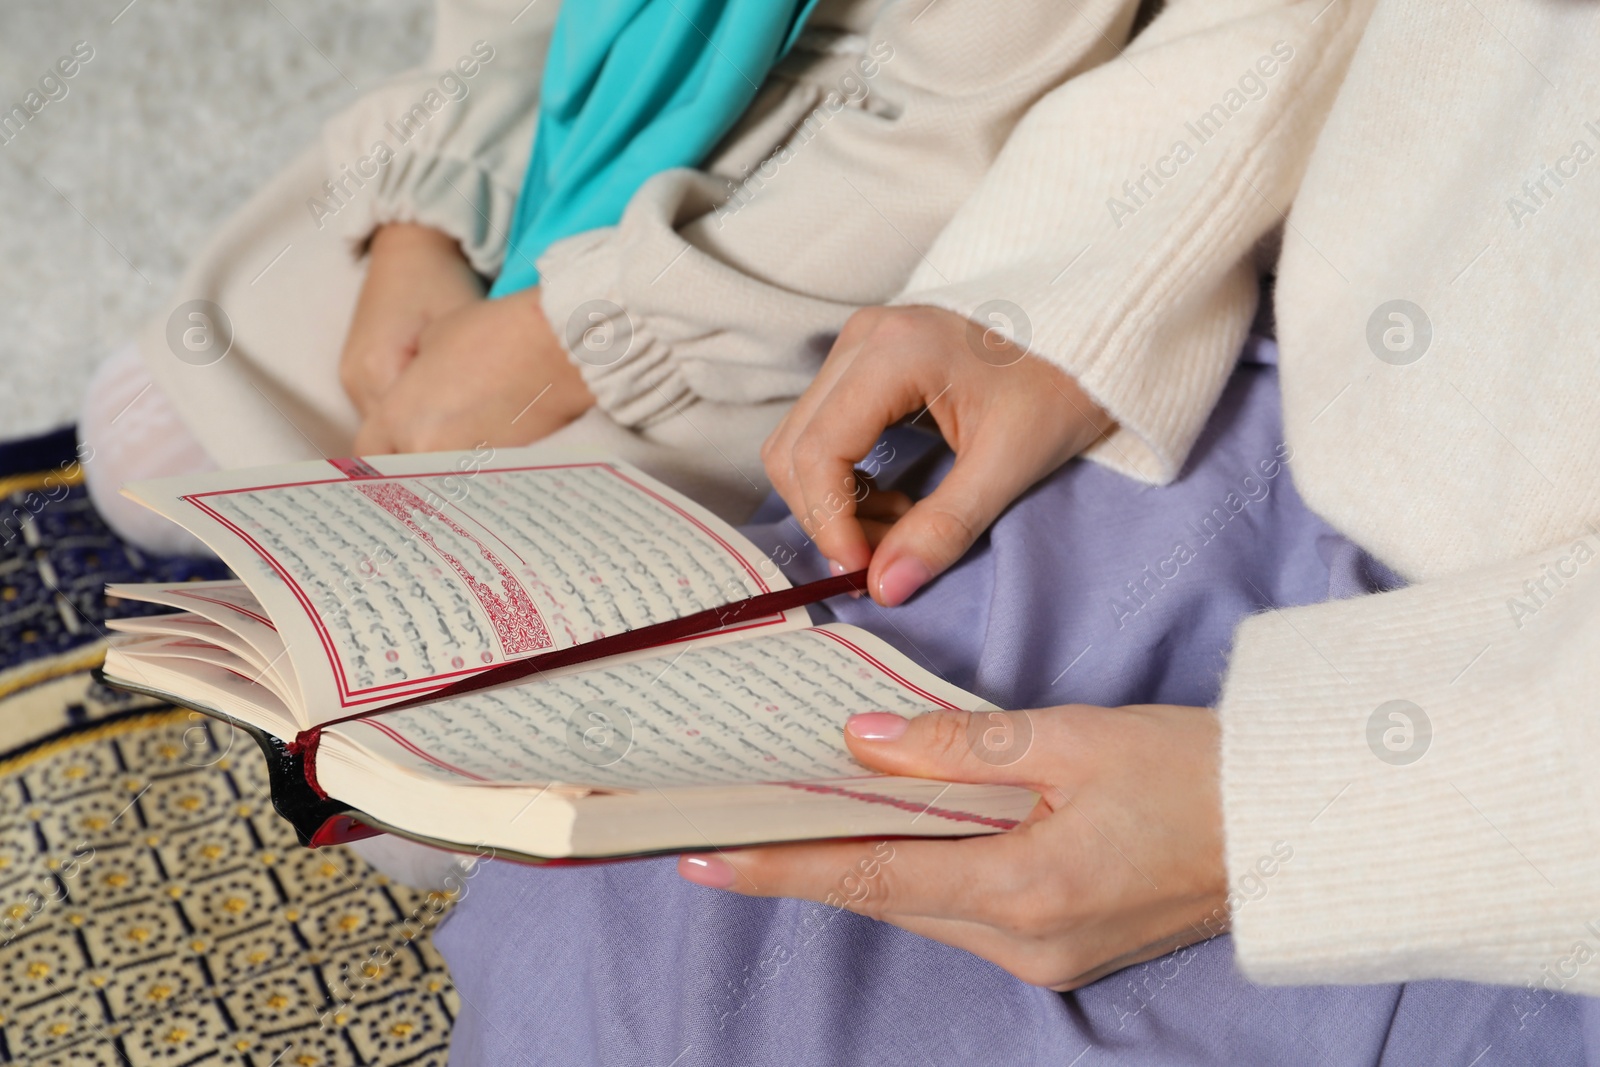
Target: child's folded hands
{"x": 489, "y": 373}
{"x": 1011, "y": 418}
{"x": 433, "y": 366}
{"x": 415, "y": 275}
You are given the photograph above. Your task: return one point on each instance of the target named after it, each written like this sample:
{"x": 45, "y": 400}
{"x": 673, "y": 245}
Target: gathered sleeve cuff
{"x": 445, "y": 148}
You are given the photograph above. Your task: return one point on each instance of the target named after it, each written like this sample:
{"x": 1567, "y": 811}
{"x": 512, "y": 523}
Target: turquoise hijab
{"x": 632, "y": 88}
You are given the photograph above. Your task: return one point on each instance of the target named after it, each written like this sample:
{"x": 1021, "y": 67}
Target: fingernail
{"x": 835, "y": 567}
{"x": 877, "y": 726}
{"x": 903, "y": 578}
{"x": 709, "y": 871}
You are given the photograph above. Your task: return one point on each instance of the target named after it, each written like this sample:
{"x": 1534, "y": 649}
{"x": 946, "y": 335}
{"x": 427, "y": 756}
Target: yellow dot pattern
{"x": 187, "y": 923}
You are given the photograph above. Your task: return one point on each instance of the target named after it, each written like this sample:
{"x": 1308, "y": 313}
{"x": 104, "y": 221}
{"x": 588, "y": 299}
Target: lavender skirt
{"x": 1090, "y": 589}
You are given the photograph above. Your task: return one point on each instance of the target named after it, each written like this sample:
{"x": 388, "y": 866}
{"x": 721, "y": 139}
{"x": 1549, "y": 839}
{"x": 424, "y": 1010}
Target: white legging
{"x": 131, "y": 432}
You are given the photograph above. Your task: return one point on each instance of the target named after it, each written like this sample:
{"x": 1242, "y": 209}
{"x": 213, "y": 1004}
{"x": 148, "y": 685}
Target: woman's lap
{"x": 1092, "y": 590}
{"x": 627, "y": 964}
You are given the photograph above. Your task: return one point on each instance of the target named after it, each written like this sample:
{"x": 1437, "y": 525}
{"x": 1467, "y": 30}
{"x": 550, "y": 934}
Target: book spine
{"x": 305, "y": 807}
{"x": 304, "y": 748}
{"x": 317, "y": 818}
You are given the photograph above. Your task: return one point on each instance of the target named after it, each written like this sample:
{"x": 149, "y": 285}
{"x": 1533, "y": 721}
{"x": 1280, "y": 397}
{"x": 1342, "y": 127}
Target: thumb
{"x": 951, "y": 746}
{"x": 938, "y": 529}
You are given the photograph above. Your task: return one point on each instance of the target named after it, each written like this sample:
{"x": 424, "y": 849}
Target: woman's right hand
{"x": 1011, "y": 418}
{"x": 416, "y": 275}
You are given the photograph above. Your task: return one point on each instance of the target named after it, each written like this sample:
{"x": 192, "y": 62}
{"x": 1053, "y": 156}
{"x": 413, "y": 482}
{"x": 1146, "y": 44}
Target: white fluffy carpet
{"x": 185, "y": 107}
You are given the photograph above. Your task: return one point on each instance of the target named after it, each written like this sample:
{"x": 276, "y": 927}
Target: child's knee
{"x": 129, "y": 431}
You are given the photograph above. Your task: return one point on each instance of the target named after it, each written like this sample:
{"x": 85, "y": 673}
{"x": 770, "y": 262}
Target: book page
{"x": 205, "y": 677}
{"x": 233, "y": 596}
{"x": 767, "y": 709}
{"x": 198, "y": 628}
{"x": 230, "y": 605}
{"x": 392, "y": 576}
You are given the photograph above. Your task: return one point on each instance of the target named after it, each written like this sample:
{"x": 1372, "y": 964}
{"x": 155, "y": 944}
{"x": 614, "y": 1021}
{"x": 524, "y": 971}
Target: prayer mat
{"x": 154, "y": 909}
{"x": 56, "y": 556}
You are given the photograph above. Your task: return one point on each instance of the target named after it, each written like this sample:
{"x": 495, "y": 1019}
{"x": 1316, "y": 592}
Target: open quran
{"x": 544, "y": 661}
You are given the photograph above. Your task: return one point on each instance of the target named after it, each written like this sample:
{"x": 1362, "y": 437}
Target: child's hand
{"x": 490, "y": 372}
{"x": 1011, "y": 418}
{"x": 416, "y": 275}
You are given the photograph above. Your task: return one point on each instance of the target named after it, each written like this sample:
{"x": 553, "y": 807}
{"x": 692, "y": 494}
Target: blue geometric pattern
{"x": 57, "y": 554}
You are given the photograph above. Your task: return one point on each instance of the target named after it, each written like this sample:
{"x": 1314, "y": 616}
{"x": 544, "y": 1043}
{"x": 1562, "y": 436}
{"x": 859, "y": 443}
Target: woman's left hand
{"x": 1120, "y": 862}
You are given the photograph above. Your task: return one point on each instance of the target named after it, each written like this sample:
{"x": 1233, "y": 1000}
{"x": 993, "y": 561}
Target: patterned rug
{"x": 56, "y": 556}
{"x": 153, "y": 907}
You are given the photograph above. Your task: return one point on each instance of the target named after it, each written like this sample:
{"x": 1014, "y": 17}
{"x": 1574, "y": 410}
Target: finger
{"x": 999, "y": 456}
{"x": 978, "y": 915}
{"x": 777, "y": 452}
{"x": 383, "y": 361}
{"x": 373, "y": 438}
{"x": 842, "y": 432}
{"x": 882, "y": 879}
{"x": 939, "y": 529}
{"x": 875, "y": 532}
{"x": 882, "y": 505}
{"x": 882, "y": 885}
{"x": 382, "y": 342}
{"x": 1000, "y": 747}
{"x": 776, "y": 455}
{"x": 879, "y": 510}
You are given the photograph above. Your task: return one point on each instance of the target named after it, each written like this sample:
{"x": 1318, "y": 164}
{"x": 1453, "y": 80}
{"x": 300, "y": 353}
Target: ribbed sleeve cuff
{"x": 1426, "y": 761}
{"x": 1158, "y": 373}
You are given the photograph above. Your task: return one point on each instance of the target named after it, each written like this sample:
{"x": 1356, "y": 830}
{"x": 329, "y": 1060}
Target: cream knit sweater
{"x": 1426, "y": 755}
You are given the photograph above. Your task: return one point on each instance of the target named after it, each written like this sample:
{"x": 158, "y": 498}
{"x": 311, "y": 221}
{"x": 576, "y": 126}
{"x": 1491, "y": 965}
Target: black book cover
{"x": 292, "y": 795}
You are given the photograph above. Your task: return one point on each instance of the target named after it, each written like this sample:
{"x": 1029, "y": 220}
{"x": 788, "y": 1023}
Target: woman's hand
{"x": 1010, "y": 417}
{"x": 490, "y": 372}
{"x": 416, "y": 275}
{"x": 1120, "y": 862}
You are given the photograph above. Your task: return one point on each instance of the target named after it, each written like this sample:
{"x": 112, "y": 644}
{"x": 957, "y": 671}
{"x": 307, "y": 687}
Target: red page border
{"x": 397, "y": 690}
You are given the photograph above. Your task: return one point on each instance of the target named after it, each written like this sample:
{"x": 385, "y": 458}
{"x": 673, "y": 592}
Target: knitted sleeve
{"x": 1114, "y": 235}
